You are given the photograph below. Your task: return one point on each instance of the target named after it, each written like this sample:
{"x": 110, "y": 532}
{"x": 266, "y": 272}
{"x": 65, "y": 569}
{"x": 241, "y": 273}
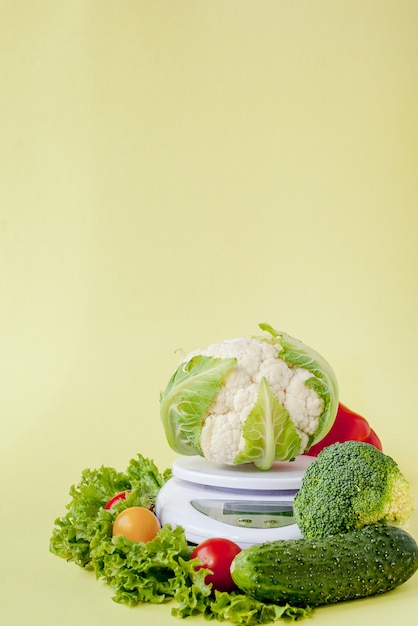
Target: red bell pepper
{"x": 347, "y": 426}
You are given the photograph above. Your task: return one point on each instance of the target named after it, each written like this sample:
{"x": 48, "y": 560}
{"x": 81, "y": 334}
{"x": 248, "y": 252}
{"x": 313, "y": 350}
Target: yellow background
{"x": 172, "y": 174}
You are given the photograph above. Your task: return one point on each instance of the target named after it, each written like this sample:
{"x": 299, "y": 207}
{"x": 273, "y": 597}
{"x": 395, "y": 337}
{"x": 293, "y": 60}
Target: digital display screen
{"x": 246, "y": 507}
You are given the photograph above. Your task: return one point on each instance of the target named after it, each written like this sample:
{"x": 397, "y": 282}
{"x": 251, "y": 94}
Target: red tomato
{"x": 217, "y": 556}
{"x": 116, "y": 498}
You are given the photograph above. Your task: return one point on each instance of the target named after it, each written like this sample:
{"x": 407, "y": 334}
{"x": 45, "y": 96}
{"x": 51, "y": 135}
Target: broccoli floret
{"x": 350, "y": 485}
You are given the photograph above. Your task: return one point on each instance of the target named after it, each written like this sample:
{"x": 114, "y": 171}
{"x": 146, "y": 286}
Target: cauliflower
{"x": 242, "y": 400}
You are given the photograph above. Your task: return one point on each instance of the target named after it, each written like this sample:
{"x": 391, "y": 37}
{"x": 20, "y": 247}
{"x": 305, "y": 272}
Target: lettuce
{"x": 143, "y": 572}
{"x": 234, "y": 607}
{"x": 87, "y": 522}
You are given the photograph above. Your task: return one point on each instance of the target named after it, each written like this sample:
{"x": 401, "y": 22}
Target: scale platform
{"x": 240, "y": 503}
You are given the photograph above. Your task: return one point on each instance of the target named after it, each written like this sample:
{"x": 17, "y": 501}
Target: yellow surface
{"x": 173, "y": 173}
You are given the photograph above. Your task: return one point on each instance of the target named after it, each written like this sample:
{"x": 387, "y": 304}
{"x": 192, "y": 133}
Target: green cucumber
{"x": 308, "y": 572}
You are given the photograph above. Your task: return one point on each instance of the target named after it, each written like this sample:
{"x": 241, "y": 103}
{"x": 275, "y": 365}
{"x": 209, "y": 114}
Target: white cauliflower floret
{"x": 221, "y": 437}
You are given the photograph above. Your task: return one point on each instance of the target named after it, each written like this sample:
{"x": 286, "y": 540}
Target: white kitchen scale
{"x": 240, "y": 503}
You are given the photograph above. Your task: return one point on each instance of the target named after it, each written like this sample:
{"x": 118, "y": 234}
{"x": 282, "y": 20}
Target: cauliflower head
{"x": 261, "y": 399}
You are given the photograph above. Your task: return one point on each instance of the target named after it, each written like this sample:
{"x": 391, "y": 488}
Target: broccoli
{"x": 350, "y": 485}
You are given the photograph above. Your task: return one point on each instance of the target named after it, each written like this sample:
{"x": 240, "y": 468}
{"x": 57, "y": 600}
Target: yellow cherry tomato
{"x": 137, "y": 524}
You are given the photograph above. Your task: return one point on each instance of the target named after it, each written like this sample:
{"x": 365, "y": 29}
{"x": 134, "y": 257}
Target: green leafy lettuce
{"x": 235, "y": 607}
{"x": 156, "y": 572}
{"x": 87, "y": 522}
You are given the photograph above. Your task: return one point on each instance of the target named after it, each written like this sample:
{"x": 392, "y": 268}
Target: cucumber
{"x": 308, "y": 572}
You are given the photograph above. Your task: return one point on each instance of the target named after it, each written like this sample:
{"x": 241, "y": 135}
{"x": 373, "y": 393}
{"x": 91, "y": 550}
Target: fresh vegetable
{"x": 347, "y": 426}
{"x": 235, "y": 607}
{"x": 364, "y": 562}
{"x": 87, "y": 521}
{"x": 140, "y": 572}
{"x": 153, "y": 572}
{"x": 374, "y": 440}
{"x": 217, "y": 555}
{"x": 247, "y": 400}
{"x": 137, "y": 524}
{"x": 349, "y": 485}
{"x": 115, "y": 499}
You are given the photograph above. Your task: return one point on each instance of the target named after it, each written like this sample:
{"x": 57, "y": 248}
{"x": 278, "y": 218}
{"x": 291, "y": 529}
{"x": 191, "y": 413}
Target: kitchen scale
{"x": 240, "y": 503}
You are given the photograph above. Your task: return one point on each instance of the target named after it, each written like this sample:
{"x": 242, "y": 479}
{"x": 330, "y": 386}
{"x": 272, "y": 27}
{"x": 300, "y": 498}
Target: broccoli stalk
{"x": 350, "y": 485}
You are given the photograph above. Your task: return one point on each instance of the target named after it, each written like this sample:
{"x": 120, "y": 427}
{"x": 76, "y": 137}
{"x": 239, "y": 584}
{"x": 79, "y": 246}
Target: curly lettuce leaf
{"x": 187, "y": 397}
{"x": 268, "y": 432}
{"x": 143, "y": 572}
{"x": 323, "y": 380}
{"x": 234, "y": 607}
{"x": 86, "y": 521}
{"x": 238, "y": 608}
